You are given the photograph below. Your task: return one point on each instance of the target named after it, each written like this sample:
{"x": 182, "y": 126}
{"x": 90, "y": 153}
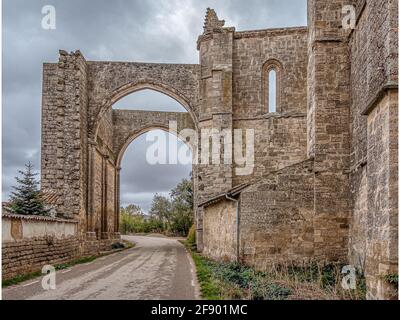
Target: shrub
{"x": 263, "y": 289}
{"x": 117, "y": 245}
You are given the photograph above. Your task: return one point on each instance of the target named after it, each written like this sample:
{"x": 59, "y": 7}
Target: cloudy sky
{"x": 121, "y": 30}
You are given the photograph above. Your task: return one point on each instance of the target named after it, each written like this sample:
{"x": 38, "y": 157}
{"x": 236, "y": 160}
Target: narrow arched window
{"x": 272, "y": 74}
{"x": 272, "y": 91}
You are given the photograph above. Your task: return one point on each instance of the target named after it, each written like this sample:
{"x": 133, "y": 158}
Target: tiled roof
{"x": 35, "y": 217}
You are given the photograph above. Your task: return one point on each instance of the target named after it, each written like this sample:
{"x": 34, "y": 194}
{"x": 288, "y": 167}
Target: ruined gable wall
{"x": 280, "y": 139}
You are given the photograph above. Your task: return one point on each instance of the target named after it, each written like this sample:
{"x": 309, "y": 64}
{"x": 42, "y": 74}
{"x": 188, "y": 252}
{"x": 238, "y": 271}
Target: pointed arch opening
{"x": 272, "y": 86}
{"x": 150, "y": 164}
{"x": 134, "y": 112}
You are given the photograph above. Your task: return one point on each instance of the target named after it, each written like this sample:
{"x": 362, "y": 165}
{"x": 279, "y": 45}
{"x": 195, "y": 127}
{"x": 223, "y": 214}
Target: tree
{"x": 161, "y": 209}
{"x": 132, "y": 210}
{"x": 126, "y": 224}
{"x": 183, "y": 193}
{"x": 26, "y": 197}
{"x": 132, "y": 219}
{"x": 174, "y": 215}
{"x": 182, "y": 207}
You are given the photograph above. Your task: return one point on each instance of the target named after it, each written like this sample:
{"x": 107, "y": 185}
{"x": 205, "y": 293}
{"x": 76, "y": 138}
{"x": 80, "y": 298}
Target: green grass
{"x": 86, "y": 259}
{"x": 20, "y": 278}
{"x": 230, "y": 280}
{"x": 72, "y": 263}
{"x": 28, "y": 276}
{"x": 392, "y": 278}
{"x": 212, "y": 287}
{"x": 209, "y": 286}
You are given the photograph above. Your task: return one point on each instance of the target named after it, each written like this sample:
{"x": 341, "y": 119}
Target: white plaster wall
{"x": 38, "y": 228}
{"x": 6, "y": 230}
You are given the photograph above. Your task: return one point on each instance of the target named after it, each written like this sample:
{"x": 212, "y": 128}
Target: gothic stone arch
{"x": 83, "y": 138}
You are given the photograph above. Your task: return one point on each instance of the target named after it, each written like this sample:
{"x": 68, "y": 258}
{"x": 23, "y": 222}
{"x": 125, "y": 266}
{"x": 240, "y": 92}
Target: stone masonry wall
{"x": 31, "y": 255}
{"x": 251, "y": 51}
{"x": 381, "y": 251}
{"x": 374, "y": 74}
{"x": 110, "y": 226}
{"x": 279, "y": 141}
{"x": 25, "y": 256}
{"x": 215, "y": 47}
{"x": 277, "y": 218}
{"x": 97, "y": 193}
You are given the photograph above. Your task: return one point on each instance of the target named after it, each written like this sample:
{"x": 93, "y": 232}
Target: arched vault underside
{"x": 129, "y": 124}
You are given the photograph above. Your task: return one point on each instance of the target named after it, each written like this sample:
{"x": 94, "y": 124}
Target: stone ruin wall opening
{"x": 118, "y": 128}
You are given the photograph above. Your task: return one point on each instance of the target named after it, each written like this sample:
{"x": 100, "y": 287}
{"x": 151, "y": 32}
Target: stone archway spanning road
{"x": 84, "y": 138}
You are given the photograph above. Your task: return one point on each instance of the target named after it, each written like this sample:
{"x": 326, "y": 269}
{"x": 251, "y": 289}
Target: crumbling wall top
{"x": 211, "y": 22}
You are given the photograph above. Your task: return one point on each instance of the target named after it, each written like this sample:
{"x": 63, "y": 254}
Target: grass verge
{"x": 232, "y": 281}
{"x": 86, "y": 259}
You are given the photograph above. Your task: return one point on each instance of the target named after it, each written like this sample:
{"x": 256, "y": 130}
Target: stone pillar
{"x": 104, "y": 220}
{"x": 117, "y": 202}
{"x": 328, "y": 127}
{"x": 64, "y": 134}
{"x": 91, "y": 234}
{"x": 215, "y": 46}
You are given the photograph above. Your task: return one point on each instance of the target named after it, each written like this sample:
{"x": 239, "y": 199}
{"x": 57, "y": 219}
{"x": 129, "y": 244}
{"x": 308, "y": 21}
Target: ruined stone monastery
{"x": 324, "y": 183}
